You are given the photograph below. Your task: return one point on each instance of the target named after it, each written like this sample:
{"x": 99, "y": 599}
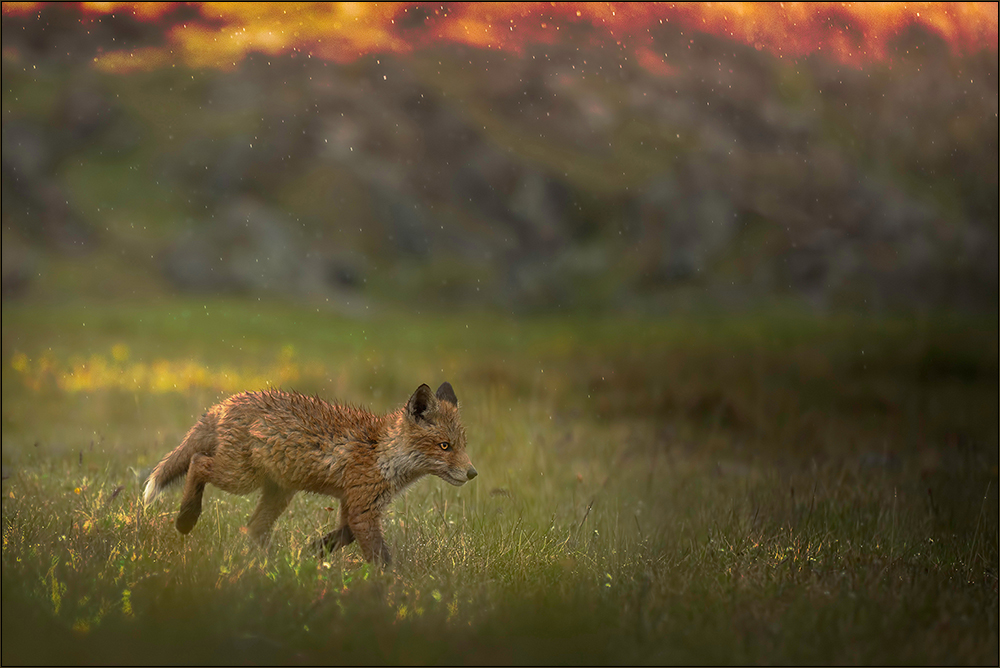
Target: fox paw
{"x": 186, "y": 519}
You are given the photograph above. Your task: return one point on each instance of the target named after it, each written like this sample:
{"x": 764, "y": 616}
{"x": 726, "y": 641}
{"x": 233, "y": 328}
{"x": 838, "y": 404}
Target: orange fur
{"x": 284, "y": 443}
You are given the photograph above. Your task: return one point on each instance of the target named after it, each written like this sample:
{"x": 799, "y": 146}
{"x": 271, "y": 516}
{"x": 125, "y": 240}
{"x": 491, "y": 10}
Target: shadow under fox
{"x": 285, "y": 443}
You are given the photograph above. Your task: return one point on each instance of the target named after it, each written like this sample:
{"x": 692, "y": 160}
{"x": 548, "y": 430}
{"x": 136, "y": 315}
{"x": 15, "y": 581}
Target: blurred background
{"x": 518, "y": 158}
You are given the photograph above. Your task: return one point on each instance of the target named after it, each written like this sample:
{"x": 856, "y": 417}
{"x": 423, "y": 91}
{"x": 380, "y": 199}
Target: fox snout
{"x": 458, "y": 477}
{"x": 470, "y": 473}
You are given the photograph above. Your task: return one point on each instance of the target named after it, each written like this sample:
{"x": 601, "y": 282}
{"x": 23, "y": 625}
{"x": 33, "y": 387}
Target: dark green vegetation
{"x": 774, "y": 488}
{"x": 566, "y": 178}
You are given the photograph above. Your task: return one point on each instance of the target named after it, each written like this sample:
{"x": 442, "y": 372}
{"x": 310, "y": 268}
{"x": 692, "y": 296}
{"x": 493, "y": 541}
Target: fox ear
{"x": 446, "y": 393}
{"x": 420, "y": 403}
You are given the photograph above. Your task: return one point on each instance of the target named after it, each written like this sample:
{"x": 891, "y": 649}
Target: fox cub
{"x": 286, "y": 442}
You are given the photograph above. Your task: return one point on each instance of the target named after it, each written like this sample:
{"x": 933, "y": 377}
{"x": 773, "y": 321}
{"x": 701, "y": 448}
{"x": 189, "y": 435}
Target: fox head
{"x": 435, "y": 436}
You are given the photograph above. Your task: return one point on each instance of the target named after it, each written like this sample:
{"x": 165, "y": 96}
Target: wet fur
{"x": 284, "y": 443}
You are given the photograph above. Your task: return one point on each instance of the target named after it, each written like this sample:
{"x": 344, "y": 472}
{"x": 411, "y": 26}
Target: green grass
{"x": 770, "y": 488}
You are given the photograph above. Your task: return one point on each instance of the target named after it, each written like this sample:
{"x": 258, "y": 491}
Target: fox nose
{"x": 472, "y": 472}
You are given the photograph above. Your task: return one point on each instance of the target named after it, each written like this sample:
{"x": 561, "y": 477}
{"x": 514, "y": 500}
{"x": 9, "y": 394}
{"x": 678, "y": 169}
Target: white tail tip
{"x": 150, "y": 492}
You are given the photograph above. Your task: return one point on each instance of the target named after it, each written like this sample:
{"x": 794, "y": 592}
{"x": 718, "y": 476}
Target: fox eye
{"x": 445, "y": 445}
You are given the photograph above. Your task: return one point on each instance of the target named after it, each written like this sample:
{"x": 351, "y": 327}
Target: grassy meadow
{"x": 763, "y": 488}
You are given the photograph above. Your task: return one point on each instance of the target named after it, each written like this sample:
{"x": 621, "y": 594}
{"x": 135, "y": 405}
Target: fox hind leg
{"x": 199, "y": 472}
{"x": 273, "y": 502}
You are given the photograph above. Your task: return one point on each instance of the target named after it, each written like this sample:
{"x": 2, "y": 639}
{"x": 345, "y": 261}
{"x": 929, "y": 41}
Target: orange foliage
{"x": 850, "y": 32}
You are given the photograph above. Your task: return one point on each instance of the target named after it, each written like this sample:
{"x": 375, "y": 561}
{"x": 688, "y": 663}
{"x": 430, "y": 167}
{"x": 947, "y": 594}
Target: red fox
{"x": 287, "y": 442}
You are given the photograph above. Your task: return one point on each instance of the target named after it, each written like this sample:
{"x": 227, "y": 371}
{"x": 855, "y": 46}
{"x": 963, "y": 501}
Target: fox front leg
{"x": 336, "y": 539}
{"x": 367, "y": 529}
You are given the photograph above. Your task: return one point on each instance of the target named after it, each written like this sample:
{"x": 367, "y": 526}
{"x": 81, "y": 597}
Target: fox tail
{"x": 200, "y": 439}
